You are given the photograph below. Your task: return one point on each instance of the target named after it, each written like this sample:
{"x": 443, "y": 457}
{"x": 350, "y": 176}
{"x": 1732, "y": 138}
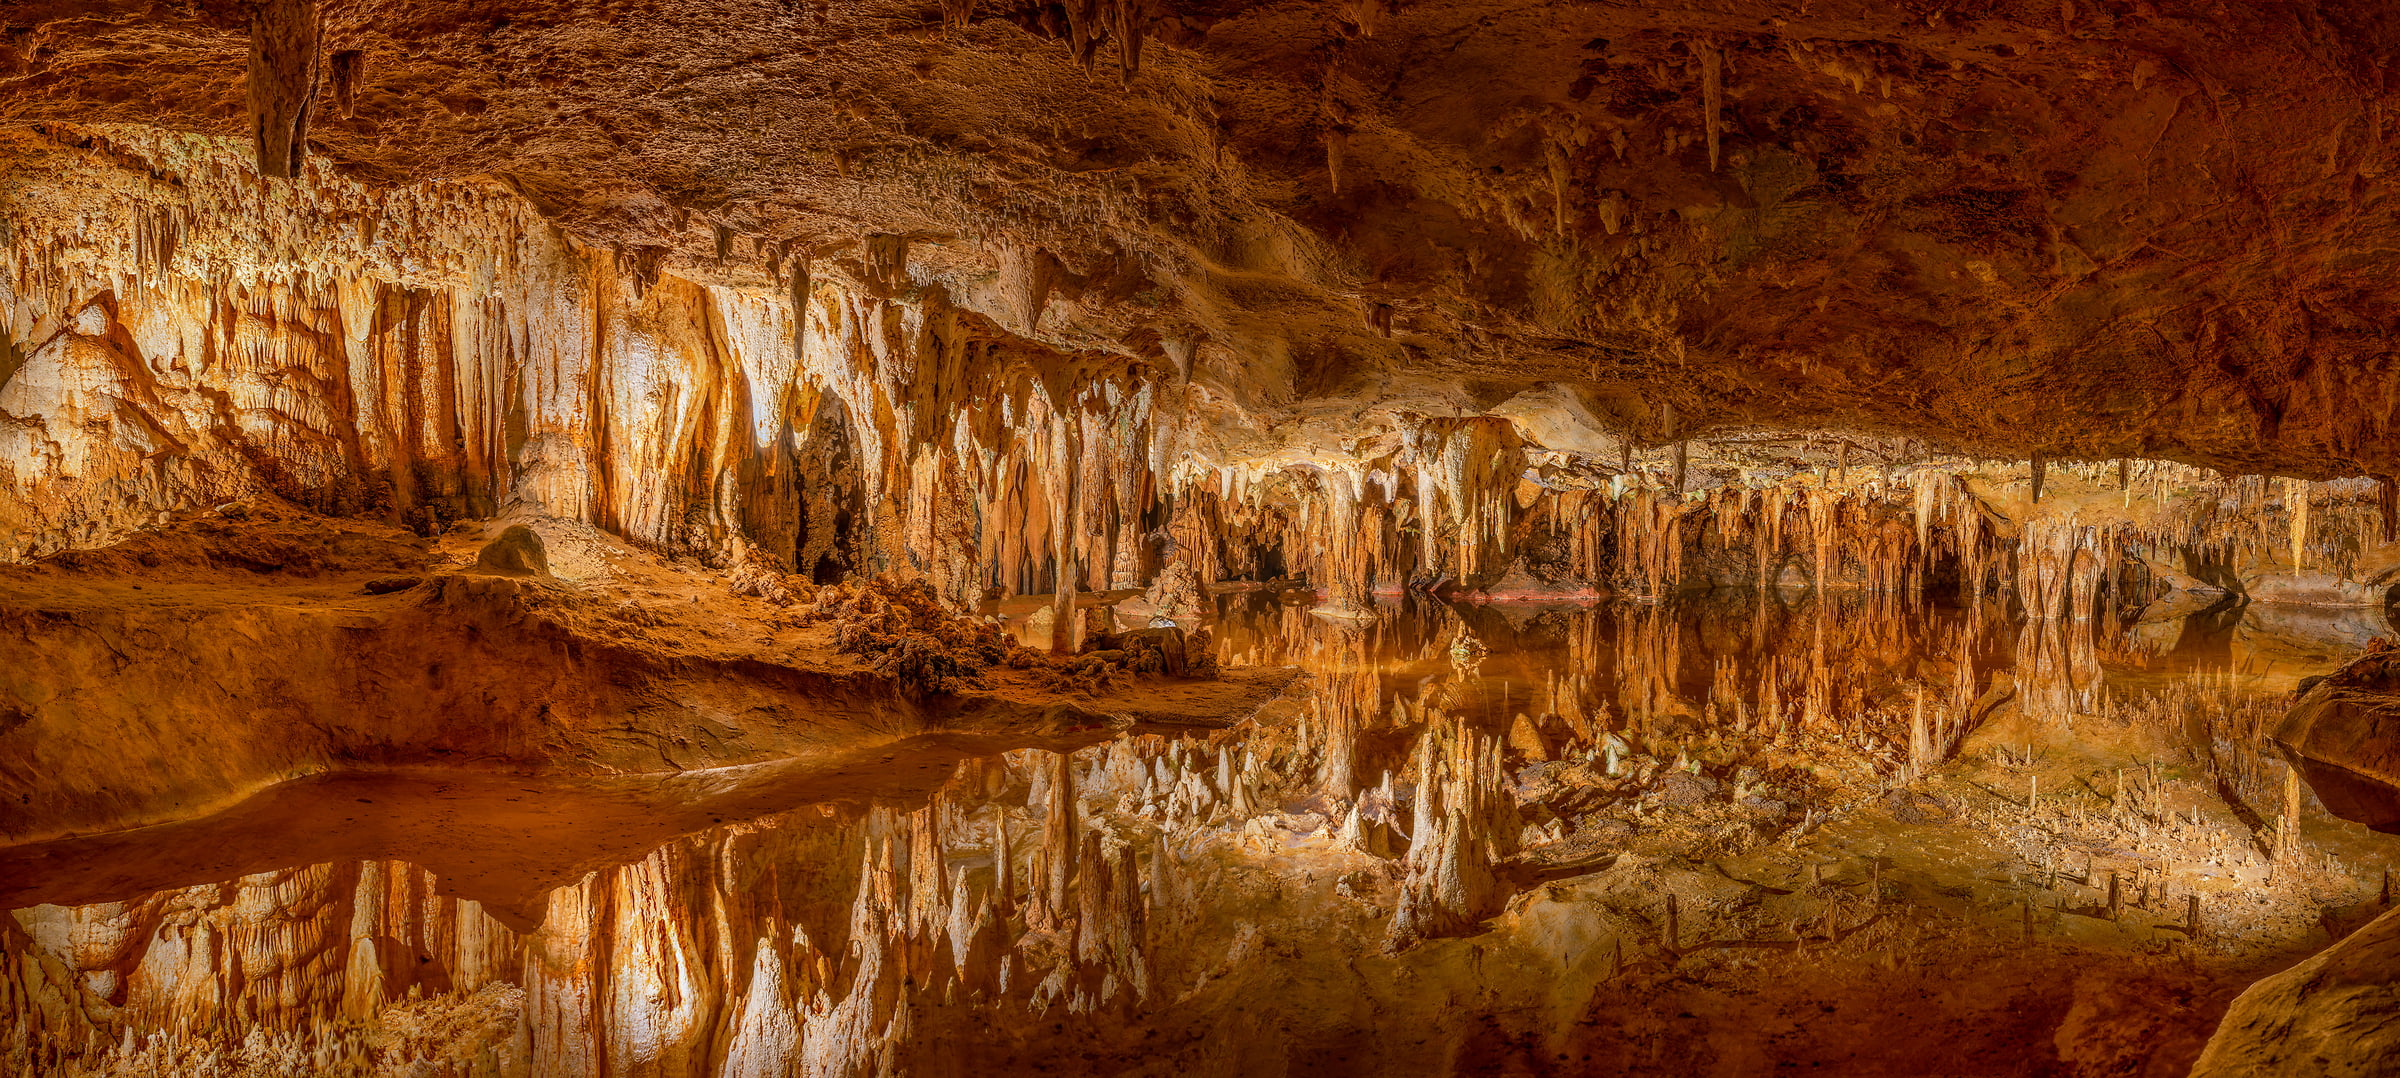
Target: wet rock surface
{"x": 2344, "y": 735}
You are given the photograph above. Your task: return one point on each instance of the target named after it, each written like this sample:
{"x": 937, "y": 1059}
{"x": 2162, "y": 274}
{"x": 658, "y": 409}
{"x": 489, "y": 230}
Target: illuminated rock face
{"x": 2328, "y": 1015}
{"x": 2341, "y": 735}
{"x": 443, "y": 353}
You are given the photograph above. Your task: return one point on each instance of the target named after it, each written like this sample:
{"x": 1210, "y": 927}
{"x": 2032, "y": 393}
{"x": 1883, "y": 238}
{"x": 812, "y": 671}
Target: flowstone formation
{"x": 763, "y": 538}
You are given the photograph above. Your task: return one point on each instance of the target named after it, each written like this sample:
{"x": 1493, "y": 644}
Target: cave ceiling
{"x": 2058, "y": 228}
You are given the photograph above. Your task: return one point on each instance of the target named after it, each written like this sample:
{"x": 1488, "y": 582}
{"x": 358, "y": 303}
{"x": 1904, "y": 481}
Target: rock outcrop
{"x": 2344, "y": 736}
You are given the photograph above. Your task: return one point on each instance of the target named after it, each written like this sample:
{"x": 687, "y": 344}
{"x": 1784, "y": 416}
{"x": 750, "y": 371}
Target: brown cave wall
{"x": 1508, "y": 520}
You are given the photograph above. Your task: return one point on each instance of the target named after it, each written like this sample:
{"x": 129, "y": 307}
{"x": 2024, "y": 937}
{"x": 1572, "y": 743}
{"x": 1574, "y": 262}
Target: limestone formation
{"x": 764, "y": 537}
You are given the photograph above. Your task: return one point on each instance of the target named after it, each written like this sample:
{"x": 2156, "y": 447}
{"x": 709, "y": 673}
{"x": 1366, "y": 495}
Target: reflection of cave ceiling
{"x": 2076, "y": 229}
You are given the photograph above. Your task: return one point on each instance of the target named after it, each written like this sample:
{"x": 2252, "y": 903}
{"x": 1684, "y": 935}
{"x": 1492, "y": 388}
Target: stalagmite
{"x": 1465, "y": 823}
{"x": 2295, "y": 498}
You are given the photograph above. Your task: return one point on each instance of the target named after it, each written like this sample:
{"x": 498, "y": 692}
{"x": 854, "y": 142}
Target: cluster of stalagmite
{"x": 1463, "y": 824}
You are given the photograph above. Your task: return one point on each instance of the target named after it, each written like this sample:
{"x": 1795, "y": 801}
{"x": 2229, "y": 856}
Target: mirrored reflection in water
{"x": 1728, "y": 834}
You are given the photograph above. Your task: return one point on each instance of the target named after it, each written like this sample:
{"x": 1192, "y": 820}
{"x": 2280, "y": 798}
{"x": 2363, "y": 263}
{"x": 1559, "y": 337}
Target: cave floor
{"x": 1757, "y": 833}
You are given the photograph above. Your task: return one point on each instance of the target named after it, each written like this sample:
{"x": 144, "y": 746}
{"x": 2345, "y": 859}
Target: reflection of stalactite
{"x": 1648, "y": 661}
{"x": 1349, "y": 700}
{"x": 1054, "y": 859}
{"x": 859, "y": 936}
{"x": 2057, "y": 668}
{"x": 1064, "y": 885}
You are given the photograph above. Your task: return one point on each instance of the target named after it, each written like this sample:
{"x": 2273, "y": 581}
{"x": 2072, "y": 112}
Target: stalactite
{"x": 1379, "y": 319}
{"x": 1128, "y": 22}
{"x": 1649, "y": 542}
{"x": 1712, "y": 95}
{"x": 344, "y": 70}
{"x": 2387, "y": 507}
{"x": 283, "y": 83}
{"x": 1824, "y": 523}
{"x": 1464, "y": 472}
{"x": 885, "y": 262}
{"x": 1084, "y": 30}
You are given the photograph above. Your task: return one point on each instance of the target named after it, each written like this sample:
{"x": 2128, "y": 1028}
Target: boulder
{"x": 1166, "y": 643}
{"x": 518, "y": 552}
{"x": 2336, "y": 1014}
